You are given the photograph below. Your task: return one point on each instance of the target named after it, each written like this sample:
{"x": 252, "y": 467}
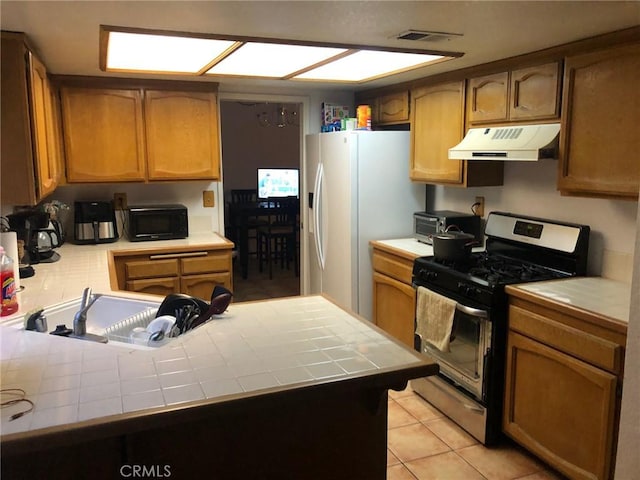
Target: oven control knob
{"x": 431, "y": 275}
{"x": 466, "y": 290}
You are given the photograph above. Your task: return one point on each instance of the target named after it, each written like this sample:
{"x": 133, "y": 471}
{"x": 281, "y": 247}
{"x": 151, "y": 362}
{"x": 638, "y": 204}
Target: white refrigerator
{"x": 358, "y": 190}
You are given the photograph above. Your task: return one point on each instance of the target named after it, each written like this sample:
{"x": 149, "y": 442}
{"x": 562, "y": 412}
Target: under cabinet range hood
{"x": 518, "y": 142}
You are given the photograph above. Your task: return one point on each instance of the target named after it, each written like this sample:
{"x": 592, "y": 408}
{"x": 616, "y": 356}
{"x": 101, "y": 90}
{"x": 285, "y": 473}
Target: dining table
{"x": 240, "y": 215}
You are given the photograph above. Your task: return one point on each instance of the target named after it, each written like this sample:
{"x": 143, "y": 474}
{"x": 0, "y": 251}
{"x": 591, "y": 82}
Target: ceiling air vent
{"x": 424, "y": 36}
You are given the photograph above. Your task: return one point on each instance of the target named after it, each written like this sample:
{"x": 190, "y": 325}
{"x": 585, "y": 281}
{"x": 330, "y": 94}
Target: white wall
{"x": 530, "y": 189}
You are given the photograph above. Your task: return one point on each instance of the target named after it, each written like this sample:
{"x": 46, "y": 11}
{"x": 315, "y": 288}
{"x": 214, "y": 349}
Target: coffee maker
{"x": 95, "y": 222}
{"x": 39, "y": 234}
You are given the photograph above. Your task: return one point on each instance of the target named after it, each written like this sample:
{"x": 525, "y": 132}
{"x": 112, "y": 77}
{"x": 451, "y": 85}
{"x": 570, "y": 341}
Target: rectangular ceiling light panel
{"x": 367, "y": 64}
{"x": 159, "y": 53}
{"x": 272, "y": 59}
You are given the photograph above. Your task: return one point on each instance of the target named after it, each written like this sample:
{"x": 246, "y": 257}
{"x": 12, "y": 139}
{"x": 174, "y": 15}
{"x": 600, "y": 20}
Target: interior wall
{"x": 247, "y": 144}
{"x": 530, "y": 189}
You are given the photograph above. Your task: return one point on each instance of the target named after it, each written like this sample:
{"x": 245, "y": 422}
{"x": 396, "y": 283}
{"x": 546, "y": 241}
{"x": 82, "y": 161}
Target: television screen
{"x": 277, "y": 182}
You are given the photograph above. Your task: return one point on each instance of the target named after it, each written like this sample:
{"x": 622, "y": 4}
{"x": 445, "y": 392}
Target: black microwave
{"x": 157, "y": 222}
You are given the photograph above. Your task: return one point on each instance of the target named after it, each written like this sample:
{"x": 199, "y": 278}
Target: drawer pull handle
{"x": 162, "y": 256}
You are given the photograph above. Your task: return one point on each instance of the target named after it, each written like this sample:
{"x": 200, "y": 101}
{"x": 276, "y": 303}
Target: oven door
{"x": 465, "y": 362}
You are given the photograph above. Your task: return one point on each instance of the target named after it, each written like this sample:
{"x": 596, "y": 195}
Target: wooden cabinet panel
{"x": 212, "y": 262}
{"x": 393, "y": 266}
{"x": 535, "y": 92}
{"x": 437, "y": 124}
{"x": 201, "y": 286}
{"x": 393, "y": 108}
{"x": 488, "y": 98}
{"x": 394, "y": 306}
{"x": 44, "y": 129}
{"x": 151, "y": 268}
{"x": 599, "y": 141}
{"x": 103, "y": 135}
{"x": 182, "y": 135}
{"x": 560, "y": 408}
{"x": 30, "y": 147}
{"x": 595, "y": 350}
{"x": 155, "y": 286}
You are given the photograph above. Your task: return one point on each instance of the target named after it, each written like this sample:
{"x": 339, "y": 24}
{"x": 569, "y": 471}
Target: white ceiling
{"x": 65, "y": 33}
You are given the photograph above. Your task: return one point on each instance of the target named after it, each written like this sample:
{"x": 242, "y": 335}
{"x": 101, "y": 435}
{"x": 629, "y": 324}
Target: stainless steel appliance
{"x": 157, "y": 222}
{"x": 427, "y": 224}
{"x": 95, "y": 222}
{"x": 519, "y": 249}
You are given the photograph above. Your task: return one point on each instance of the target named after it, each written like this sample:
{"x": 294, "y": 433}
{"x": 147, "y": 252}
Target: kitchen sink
{"x": 110, "y": 316}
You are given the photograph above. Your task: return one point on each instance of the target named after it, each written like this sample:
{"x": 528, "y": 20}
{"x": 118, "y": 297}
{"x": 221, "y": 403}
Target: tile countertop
{"x": 597, "y": 295}
{"x": 83, "y": 266}
{"x": 409, "y": 247}
{"x": 277, "y": 344}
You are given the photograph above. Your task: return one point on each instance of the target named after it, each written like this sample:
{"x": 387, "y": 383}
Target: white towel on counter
{"x": 434, "y": 318}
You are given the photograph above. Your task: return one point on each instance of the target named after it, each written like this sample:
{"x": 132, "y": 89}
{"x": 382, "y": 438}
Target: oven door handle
{"x": 474, "y": 312}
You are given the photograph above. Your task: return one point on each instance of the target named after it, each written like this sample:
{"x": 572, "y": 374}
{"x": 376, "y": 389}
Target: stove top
{"x": 489, "y": 269}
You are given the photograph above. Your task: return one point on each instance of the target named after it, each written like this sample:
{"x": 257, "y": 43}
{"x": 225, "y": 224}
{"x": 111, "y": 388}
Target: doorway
{"x": 259, "y": 133}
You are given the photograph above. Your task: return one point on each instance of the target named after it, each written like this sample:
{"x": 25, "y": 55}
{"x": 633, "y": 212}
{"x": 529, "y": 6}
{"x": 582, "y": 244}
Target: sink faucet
{"x": 80, "y": 319}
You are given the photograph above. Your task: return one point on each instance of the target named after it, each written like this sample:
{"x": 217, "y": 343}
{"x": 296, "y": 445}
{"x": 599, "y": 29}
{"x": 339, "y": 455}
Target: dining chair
{"x": 248, "y": 196}
{"x": 278, "y": 240}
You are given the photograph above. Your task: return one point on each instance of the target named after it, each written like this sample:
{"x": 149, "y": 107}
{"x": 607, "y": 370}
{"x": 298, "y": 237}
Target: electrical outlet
{"x": 479, "y": 206}
{"x": 120, "y": 201}
{"x": 208, "y": 199}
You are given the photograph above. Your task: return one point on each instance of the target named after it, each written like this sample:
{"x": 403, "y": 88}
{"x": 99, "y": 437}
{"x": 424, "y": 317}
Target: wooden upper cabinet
{"x": 535, "y": 92}
{"x": 30, "y": 147}
{"x": 488, "y": 98}
{"x": 182, "y": 135}
{"x": 103, "y": 134}
{"x": 43, "y": 119}
{"x": 393, "y": 108}
{"x": 437, "y": 124}
{"x": 526, "y": 94}
{"x": 599, "y": 141}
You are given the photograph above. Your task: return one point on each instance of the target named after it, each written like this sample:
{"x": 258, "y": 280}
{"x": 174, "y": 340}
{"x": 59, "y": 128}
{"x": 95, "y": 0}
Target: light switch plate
{"x": 208, "y": 199}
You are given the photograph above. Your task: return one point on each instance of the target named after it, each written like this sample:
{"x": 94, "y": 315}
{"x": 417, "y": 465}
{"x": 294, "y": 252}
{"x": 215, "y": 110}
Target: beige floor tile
{"x": 450, "y": 433}
{"x": 413, "y": 442}
{"x": 399, "y": 472}
{"x": 398, "y": 416}
{"x": 419, "y": 408}
{"x": 446, "y": 466}
{"x": 391, "y": 459}
{"x": 544, "y": 475}
{"x": 407, "y": 392}
{"x": 500, "y": 463}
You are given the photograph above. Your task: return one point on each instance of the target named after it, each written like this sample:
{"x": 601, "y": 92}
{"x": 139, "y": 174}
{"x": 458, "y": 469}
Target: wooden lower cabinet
{"x": 164, "y": 272}
{"x": 561, "y": 391}
{"x": 394, "y": 299}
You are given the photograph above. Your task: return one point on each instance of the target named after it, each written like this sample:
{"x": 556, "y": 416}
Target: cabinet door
{"x": 535, "y": 92}
{"x": 437, "y": 124}
{"x": 599, "y": 141}
{"x": 182, "y": 135}
{"x": 393, "y": 108}
{"x": 488, "y": 98}
{"x": 44, "y": 131}
{"x": 559, "y": 408}
{"x": 202, "y": 286}
{"x": 155, "y": 286}
{"x": 151, "y": 268}
{"x": 394, "y": 307}
{"x": 103, "y": 135}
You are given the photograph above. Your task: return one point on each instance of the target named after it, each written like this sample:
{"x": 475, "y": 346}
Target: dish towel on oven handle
{"x": 434, "y": 318}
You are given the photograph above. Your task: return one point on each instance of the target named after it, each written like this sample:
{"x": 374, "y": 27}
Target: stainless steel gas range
{"x": 519, "y": 249}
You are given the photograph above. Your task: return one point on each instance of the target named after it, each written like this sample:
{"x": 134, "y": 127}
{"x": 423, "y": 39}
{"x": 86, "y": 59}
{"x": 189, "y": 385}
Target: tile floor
{"x": 422, "y": 443}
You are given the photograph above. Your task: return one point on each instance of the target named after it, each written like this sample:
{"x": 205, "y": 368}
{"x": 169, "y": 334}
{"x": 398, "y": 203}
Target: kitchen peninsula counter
{"x": 285, "y": 388}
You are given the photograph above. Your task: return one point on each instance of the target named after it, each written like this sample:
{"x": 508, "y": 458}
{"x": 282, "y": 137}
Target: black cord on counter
{"x": 14, "y": 401}
{"x": 474, "y": 206}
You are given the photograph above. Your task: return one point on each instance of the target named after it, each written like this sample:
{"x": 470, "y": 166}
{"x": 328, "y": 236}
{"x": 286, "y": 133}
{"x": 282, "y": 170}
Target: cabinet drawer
{"x": 590, "y": 348}
{"x": 395, "y": 267}
{"x": 216, "y": 262}
{"x": 155, "y": 286}
{"x": 151, "y": 268}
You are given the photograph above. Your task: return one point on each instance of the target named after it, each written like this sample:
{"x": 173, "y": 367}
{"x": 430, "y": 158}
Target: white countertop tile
{"x": 595, "y": 294}
{"x": 410, "y": 245}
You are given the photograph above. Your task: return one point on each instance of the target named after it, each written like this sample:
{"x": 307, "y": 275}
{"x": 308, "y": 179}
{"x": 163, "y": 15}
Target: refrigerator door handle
{"x": 317, "y": 215}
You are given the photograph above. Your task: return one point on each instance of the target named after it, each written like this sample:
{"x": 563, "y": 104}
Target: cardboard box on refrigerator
{"x": 332, "y": 112}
